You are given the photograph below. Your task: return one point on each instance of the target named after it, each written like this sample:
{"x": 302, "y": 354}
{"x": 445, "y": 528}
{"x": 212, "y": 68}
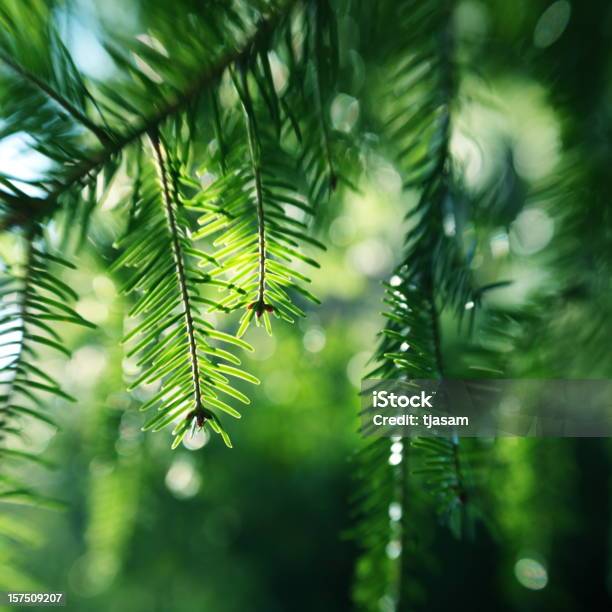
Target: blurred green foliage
{"x": 265, "y": 527}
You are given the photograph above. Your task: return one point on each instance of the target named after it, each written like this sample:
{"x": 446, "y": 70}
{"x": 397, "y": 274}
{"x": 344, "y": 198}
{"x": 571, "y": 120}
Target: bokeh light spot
{"x": 552, "y": 24}
{"x": 344, "y": 112}
{"x": 531, "y": 574}
{"x": 531, "y": 232}
{"x": 182, "y": 479}
{"x": 314, "y": 340}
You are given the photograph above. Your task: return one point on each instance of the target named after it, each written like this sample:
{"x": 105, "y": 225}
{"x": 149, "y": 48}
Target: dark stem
{"x": 255, "y": 156}
{"x": 23, "y": 306}
{"x": 435, "y": 327}
{"x": 56, "y": 97}
{"x": 261, "y": 229}
{"x": 404, "y": 476}
{"x": 450, "y": 87}
{"x": 437, "y": 342}
{"x": 325, "y": 137}
{"x": 180, "y": 267}
{"x": 441, "y": 172}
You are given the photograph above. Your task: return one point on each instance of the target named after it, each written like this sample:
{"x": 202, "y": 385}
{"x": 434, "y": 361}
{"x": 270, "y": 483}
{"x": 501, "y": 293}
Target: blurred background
{"x": 266, "y": 526}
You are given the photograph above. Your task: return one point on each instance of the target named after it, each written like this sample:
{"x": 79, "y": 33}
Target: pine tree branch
{"x": 255, "y": 159}
{"x": 325, "y": 137}
{"x": 172, "y": 339}
{"x": 175, "y": 104}
{"x": 180, "y": 268}
{"x": 435, "y": 327}
{"x": 51, "y": 93}
{"x": 421, "y": 280}
{"x": 261, "y": 227}
{"x": 22, "y": 313}
{"x": 41, "y": 303}
{"x": 447, "y": 46}
{"x": 439, "y": 360}
{"x": 405, "y": 501}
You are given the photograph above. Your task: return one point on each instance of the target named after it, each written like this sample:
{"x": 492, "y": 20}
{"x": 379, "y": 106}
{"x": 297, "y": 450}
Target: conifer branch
{"x": 249, "y": 211}
{"x": 259, "y": 306}
{"x": 175, "y": 104}
{"x": 174, "y": 341}
{"x": 54, "y": 95}
{"x": 411, "y": 345}
{"x": 177, "y": 254}
{"x": 22, "y": 312}
{"x": 42, "y": 301}
{"x": 318, "y": 54}
{"x": 261, "y": 227}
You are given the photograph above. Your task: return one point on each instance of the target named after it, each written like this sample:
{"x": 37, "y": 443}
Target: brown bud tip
{"x": 200, "y": 418}
{"x": 260, "y": 307}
